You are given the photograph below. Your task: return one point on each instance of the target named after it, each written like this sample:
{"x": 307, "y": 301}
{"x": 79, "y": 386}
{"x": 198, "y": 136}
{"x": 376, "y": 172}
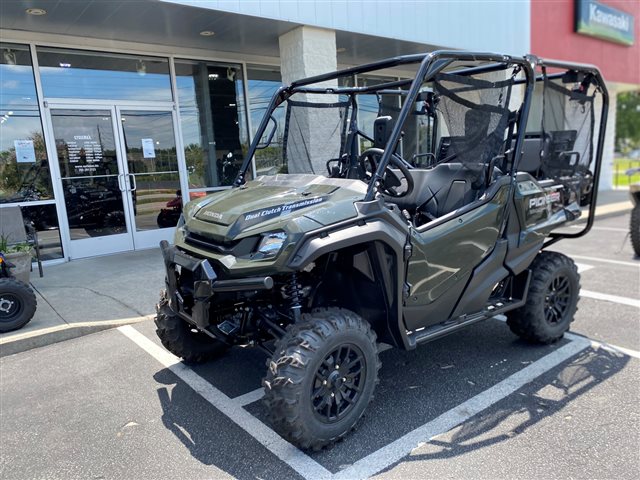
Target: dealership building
{"x": 112, "y": 113}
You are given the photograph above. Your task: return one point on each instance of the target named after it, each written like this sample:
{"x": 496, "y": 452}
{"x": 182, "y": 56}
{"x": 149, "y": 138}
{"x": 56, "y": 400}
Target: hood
{"x": 272, "y": 199}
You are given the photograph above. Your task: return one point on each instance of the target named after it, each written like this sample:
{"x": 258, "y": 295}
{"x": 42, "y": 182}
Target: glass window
{"x": 45, "y": 220}
{"x": 214, "y": 127}
{"x": 24, "y": 167}
{"x": 99, "y": 75}
{"x": 262, "y": 84}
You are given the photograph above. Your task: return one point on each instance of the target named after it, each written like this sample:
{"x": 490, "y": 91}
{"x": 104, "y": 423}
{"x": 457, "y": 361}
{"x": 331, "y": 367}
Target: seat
{"x": 16, "y": 230}
{"x": 443, "y": 189}
{"x": 534, "y": 149}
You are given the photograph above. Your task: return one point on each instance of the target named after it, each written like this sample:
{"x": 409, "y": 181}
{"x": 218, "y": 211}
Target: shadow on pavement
{"x": 536, "y": 401}
{"x": 210, "y": 436}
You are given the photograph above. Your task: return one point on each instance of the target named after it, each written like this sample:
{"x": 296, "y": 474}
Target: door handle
{"x": 134, "y": 186}
{"x": 121, "y": 185}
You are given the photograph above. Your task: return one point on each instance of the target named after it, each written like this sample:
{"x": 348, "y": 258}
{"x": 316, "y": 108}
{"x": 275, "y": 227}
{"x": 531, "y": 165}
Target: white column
{"x": 313, "y": 136}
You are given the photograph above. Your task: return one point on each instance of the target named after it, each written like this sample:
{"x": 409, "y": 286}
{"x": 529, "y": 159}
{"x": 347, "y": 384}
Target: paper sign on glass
{"x": 25, "y": 153}
{"x": 148, "y": 149}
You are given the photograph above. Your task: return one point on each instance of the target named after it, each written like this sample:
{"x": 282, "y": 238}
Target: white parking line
{"x": 583, "y": 267}
{"x": 395, "y": 451}
{"x": 605, "y": 260}
{"x": 376, "y": 461}
{"x": 296, "y": 459}
{"x": 605, "y": 346}
{"x": 248, "y": 398}
{"x": 632, "y": 302}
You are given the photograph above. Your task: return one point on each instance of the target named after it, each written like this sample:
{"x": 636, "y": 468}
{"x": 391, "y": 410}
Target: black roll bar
{"x": 434, "y": 63}
{"x": 601, "y": 86}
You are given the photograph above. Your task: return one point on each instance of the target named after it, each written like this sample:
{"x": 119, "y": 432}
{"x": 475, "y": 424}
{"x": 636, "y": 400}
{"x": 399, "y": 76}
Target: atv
{"x": 436, "y": 218}
{"x": 634, "y": 223}
{"x": 17, "y": 300}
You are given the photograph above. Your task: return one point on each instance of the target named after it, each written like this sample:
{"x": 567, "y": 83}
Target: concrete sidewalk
{"x": 86, "y": 296}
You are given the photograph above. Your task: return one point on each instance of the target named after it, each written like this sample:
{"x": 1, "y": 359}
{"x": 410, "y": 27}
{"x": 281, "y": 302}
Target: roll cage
{"x": 429, "y": 66}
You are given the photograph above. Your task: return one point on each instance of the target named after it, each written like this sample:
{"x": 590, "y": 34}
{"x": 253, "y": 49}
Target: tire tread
{"x": 286, "y": 374}
{"x": 526, "y": 321}
{"x": 175, "y": 336}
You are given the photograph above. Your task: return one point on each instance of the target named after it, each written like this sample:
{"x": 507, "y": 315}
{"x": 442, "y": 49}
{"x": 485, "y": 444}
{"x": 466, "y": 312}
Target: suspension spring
{"x": 292, "y": 291}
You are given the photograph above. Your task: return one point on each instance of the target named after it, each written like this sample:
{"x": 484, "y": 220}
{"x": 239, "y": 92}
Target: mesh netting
{"x": 475, "y": 114}
{"x": 315, "y": 132}
{"x": 567, "y": 125}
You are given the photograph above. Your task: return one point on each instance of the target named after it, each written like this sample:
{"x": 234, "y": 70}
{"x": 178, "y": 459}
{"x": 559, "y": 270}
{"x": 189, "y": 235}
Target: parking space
{"x": 480, "y": 403}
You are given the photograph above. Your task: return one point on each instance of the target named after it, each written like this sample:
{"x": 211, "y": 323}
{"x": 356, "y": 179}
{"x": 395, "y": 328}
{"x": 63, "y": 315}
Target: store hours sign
{"x": 599, "y": 20}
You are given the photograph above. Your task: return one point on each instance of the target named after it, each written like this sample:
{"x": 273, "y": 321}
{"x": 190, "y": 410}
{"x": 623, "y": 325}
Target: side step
{"x": 492, "y": 309}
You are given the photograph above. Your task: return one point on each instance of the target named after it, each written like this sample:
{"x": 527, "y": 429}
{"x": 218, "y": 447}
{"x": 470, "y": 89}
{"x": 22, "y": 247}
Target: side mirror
{"x": 272, "y": 132}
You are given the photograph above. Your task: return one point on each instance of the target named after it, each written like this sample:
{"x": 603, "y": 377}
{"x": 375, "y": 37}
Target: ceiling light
{"x": 65, "y": 65}
{"x": 36, "y": 11}
{"x": 341, "y": 50}
{"x": 9, "y": 57}
{"x": 207, "y": 33}
{"x": 213, "y": 76}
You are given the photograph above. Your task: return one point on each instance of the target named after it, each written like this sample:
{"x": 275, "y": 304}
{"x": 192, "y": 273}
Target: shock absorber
{"x": 292, "y": 292}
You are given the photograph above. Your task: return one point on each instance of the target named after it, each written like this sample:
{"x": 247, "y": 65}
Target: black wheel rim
{"x": 338, "y": 383}
{"x": 557, "y": 300}
{"x": 10, "y": 306}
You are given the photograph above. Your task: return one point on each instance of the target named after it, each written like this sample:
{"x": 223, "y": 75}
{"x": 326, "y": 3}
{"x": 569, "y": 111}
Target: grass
{"x": 620, "y": 166}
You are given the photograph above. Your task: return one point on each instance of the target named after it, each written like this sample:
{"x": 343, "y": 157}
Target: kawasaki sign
{"x": 602, "y": 21}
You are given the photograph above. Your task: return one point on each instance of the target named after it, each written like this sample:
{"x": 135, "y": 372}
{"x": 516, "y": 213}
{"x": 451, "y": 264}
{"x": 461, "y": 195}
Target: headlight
{"x": 270, "y": 244}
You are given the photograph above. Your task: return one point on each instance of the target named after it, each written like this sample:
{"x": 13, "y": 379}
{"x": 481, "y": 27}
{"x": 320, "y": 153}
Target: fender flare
{"x": 372, "y": 231}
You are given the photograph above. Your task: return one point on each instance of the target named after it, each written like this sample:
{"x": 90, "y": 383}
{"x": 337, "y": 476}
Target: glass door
{"x": 148, "y": 148}
{"x": 94, "y": 181}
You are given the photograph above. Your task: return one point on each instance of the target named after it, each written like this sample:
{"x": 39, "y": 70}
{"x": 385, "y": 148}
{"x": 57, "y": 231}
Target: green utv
{"x": 393, "y": 211}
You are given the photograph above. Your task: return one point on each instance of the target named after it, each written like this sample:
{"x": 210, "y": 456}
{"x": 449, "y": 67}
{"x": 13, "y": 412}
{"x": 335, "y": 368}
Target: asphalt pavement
{"x": 476, "y": 404}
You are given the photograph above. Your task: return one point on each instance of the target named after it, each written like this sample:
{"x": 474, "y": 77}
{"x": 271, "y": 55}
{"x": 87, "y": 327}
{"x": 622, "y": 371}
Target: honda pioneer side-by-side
{"x": 392, "y": 211}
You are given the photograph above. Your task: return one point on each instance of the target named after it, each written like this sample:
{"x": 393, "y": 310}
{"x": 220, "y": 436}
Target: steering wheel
{"x": 391, "y": 179}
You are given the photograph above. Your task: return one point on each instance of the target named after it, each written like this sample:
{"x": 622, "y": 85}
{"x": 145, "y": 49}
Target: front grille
{"x": 236, "y": 248}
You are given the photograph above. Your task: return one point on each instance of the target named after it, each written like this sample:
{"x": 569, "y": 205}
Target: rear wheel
{"x": 17, "y": 304}
{"x": 635, "y": 229}
{"x": 321, "y": 377}
{"x": 182, "y": 339}
{"x": 552, "y": 300}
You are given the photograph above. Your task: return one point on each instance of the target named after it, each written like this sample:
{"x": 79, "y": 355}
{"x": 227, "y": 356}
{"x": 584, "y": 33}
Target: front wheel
{"x": 321, "y": 377}
{"x": 552, "y": 300}
{"x": 17, "y": 304}
{"x": 182, "y": 339}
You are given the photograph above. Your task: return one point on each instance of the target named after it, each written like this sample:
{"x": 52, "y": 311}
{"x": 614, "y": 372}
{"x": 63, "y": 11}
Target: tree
{"x": 628, "y": 122}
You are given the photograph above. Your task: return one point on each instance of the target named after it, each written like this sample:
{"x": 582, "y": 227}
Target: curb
{"x": 39, "y": 338}
{"x": 612, "y": 209}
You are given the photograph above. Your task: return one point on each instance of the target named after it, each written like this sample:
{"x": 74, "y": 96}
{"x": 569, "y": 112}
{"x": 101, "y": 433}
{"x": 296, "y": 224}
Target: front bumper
{"x": 192, "y": 283}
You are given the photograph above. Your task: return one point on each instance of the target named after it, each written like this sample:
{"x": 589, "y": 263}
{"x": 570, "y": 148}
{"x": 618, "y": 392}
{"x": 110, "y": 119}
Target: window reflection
{"x": 263, "y": 82}
{"x": 24, "y": 167}
{"x": 213, "y": 123}
{"x": 100, "y": 75}
{"x": 44, "y": 218}
{"x": 153, "y": 163}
